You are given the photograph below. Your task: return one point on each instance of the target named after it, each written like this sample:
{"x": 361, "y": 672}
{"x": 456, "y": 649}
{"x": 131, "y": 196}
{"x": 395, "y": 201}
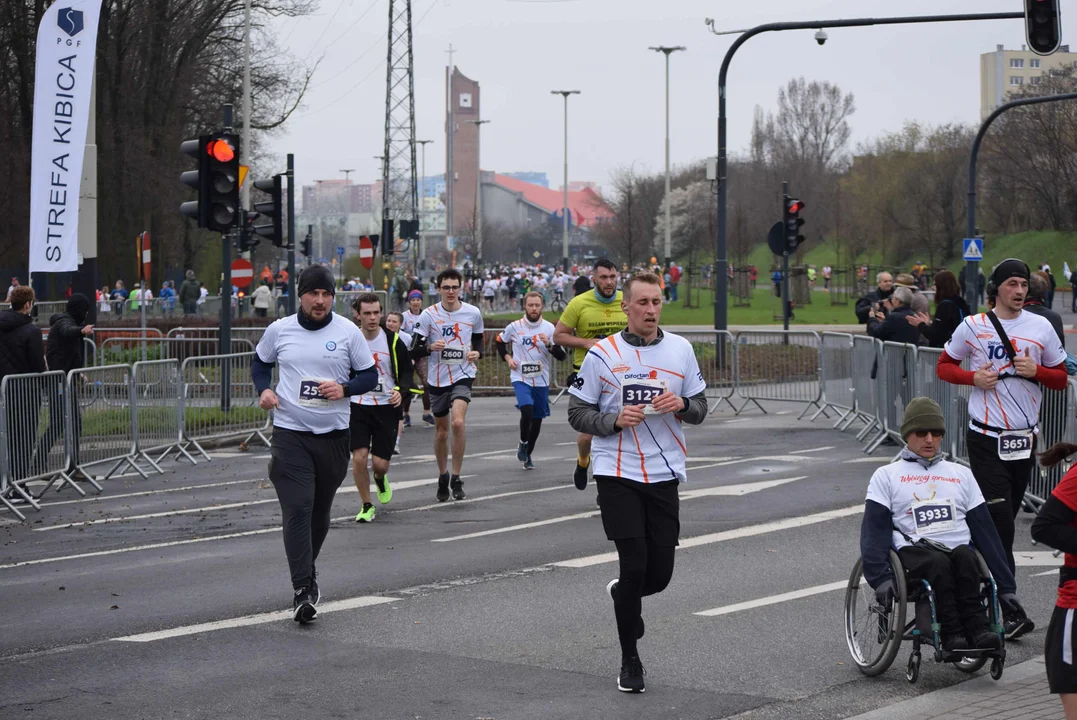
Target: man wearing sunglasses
{"x": 450, "y": 332}
{"x": 931, "y": 509}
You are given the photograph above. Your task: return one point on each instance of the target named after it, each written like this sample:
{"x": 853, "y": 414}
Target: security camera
{"x": 820, "y": 37}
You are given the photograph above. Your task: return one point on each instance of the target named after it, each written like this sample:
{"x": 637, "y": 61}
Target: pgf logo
{"x": 70, "y": 21}
{"x": 330, "y": 346}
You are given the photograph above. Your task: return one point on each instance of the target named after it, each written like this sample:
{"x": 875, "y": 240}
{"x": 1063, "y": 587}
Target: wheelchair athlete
{"x": 930, "y": 509}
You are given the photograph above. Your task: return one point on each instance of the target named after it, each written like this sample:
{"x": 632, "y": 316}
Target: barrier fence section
{"x": 866, "y": 351}
{"x": 158, "y": 411}
{"x": 115, "y": 350}
{"x": 31, "y": 421}
{"x": 715, "y": 353}
{"x": 1058, "y": 423}
{"x": 101, "y": 420}
{"x": 206, "y": 416}
{"x": 836, "y": 377}
{"x": 896, "y": 366}
{"x": 252, "y": 334}
{"x": 779, "y": 366}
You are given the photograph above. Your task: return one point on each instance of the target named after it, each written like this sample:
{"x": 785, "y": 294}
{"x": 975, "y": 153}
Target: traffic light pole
{"x": 291, "y": 234}
{"x": 721, "y": 262}
{"x": 785, "y": 272}
{"x": 227, "y": 240}
{"x": 972, "y": 268}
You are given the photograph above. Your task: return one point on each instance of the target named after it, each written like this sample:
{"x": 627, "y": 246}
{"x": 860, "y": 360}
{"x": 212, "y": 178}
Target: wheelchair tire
{"x": 970, "y": 665}
{"x": 879, "y": 632}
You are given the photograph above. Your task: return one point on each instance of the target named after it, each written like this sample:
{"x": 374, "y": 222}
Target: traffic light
{"x": 198, "y": 179}
{"x": 387, "y": 226}
{"x": 409, "y": 229}
{"x": 304, "y": 244}
{"x": 248, "y": 237}
{"x": 273, "y": 211}
{"x": 223, "y": 182}
{"x": 793, "y": 222}
{"x": 1043, "y": 25}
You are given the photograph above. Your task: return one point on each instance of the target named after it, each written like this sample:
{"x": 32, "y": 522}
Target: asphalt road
{"x": 163, "y": 598}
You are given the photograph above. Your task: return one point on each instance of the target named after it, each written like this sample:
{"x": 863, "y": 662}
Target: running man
{"x": 591, "y": 316}
{"x": 530, "y": 340}
{"x": 375, "y": 415}
{"x": 632, "y": 393}
{"x": 410, "y": 317}
{"x": 1014, "y": 352}
{"x": 450, "y": 332}
{"x": 316, "y": 353}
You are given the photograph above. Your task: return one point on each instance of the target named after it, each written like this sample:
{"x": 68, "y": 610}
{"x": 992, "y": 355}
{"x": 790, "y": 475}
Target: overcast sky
{"x": 521, "y": 50}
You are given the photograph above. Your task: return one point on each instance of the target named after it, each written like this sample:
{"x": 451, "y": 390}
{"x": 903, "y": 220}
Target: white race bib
{"x": 530, "y": 369}
{"x": 933, "y": 516}
{"x": 308, "y": 393}
{"x": 1015, "y": 445}
{"x": 453, "y": 356}
{"x": 636, "y": 391}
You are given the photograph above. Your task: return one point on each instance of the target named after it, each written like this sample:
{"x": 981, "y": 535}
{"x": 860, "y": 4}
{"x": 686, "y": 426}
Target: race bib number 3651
{"x": 1015, "y": 445}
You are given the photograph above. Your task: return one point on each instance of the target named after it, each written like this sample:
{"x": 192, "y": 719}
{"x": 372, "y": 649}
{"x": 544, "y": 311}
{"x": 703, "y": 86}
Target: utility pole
{"x": 347, "y": 175}
{"x": 398, "y": 190}
{"x": 421, "y": 261}
{"x": 245, "y": 143}
{"x": 564, "y": 207}
{"x": 667, "y": 51}
{"x": 478, "y": 190}
{"x": 291, "y": 235}
{"x": 450, "y": 134}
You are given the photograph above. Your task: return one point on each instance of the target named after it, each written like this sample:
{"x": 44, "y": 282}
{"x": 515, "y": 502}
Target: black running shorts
{"x": 633, "y": 509}
{"x": 442, "y": 398}
{"x": 1060, "y": 654}
{"x": 374, "y": 427}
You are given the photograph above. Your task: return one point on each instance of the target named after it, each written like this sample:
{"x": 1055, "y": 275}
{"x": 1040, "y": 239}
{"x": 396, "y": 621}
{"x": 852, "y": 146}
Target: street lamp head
{"x": 820, "y": 37}
{"x": 668, "y": 49}
{"x": 566, "y": 93}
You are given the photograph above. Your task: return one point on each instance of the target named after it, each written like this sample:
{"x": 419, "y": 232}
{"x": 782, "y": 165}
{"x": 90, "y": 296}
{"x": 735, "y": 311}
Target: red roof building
{"x": 586, "y": 207}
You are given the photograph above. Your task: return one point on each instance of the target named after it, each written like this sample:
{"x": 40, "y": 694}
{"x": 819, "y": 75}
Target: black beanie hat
{"x": 316, "y": 277}
{"x": 1008, "y": 268}
{"x": 78, "y": 306}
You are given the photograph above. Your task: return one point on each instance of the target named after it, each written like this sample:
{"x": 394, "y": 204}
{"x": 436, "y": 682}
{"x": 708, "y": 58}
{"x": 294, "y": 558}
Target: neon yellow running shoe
{"x": 367, "y": 515}
{"x": 385, "y": 493}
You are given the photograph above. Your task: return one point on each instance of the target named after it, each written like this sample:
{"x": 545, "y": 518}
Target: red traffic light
{"x": 795, "y": 206}
{"x": 220, "y": 150}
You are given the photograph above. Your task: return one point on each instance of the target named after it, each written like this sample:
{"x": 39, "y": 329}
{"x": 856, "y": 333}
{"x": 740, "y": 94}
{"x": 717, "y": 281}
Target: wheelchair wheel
{"x": 970, "y": 665}
{"x": 872, "y": 632}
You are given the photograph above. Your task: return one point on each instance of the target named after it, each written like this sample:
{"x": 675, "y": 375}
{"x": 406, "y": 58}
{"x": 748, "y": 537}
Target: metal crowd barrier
{"x": 100, "y": 413}
{"x": 836, "y": 377}
{"x": 158, "y": 414}
{"x": 204, "y": 416}
{"x": 716, "y": 355}
{"x": 896, "y": 364}
{"x": 866, "y": 352}
{"x": 127, "y": 350}
{"x": 252, "y": 334}
{"x": 779, "y": 366}
{"x": 1058, "y": 423}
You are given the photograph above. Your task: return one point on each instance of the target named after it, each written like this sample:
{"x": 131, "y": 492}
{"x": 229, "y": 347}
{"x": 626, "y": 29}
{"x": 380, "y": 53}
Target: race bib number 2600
{"x": 453, "y": 356}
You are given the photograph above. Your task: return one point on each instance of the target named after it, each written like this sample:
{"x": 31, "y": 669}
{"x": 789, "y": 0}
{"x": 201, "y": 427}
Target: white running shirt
{"x": 305, "y": 359}
{"x": 409, "y": 322}
{"x": 927, "y": 502}
{"x": 1014, "y": 403}
{"x": 614, "y": 372}
{"x": 456, "y": 329}
{"x": 379, "y": 348}
{"x": 533, "y": 357}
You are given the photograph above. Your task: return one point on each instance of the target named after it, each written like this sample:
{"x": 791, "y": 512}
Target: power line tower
{"x": 399, "y": 187}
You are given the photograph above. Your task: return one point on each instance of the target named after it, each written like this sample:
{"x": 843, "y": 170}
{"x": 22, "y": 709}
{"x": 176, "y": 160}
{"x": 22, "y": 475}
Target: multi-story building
{"x": 339, "y": 196}
{"x": 535, "y": 178}
{"x": 1005, "y": 71}
{"x": 462, "y": 150}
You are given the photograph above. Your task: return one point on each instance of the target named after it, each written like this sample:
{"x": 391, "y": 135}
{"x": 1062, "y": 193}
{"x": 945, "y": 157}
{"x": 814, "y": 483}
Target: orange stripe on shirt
{"x": 642, "y": 460}
{"x": 655, "y": 367}
{"x": 598, "y": 346}
{"x": 998, "y": 400}
{"x": 683, "y": 448}
{"x": 620, "y": 439}
{"x": 1018, "y": 337}
{"x": 613, "y": 341}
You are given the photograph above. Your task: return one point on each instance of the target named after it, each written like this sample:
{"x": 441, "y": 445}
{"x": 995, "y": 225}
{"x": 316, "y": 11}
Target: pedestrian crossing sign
{"x": 974, "y": 249}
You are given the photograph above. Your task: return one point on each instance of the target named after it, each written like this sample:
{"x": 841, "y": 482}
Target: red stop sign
{"x": 242, "y": 272}
{"x": 366, "y": 252}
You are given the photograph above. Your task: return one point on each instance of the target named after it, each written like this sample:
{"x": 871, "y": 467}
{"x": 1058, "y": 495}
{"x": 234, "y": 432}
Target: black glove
{"x": 885, "y": 594}
{"x": 1011, "y": 606}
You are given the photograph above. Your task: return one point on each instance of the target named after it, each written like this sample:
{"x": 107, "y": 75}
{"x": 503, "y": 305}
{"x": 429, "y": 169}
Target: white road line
{"x": 335, "y": 606}
{"x": 570, "y": 442}
{"x": 480, "y": 499}
{"x": 774, "y": 599}
{"x": 737, "y": 461}
{"x": 784, "y": 412}
{"x": 747, "y": 531}
{"x": 1037, "y": 559}
{"x": 811, "y": 450}
{"x": 733, "y": 490}
{"x": 879, "y": 460}
{"x": 738, "y": 420}
{"x": 143, "y": 493}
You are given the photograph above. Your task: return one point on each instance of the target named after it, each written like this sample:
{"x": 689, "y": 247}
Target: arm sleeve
{"x": 476, "y": 342}
{"x": 68, "y": 330}
{"x": 361, "y": 381}
{"x": 586, "y": 418}
{"x": 558, "y": 352}
{"x": 501, "y": 347}
{"x": 987, "y": 541}
{"x": 694, "y": 388}
{"x": 875, "y": 535}
{"x": 261, "y": 374}
{"x": 949, "y": 369}
{"x": 418, "y": 339}
{"x": 1053, "y": 526}
{"x": 695, "y": 411}
{"x": 945, "y": 317}
{"x": 1054, "y": 378}
{"x": 571, "y": 316}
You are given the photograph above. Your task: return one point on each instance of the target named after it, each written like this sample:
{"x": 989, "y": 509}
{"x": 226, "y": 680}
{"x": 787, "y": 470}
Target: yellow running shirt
{"x": 592, "y": 318}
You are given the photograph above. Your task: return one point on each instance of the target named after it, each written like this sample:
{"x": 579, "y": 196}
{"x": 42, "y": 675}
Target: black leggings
{"x": 1002, "y": 482}
{"x": 646, "y": 569}
{"x": 306, "y": 470}
{"x": 529, "y": 427}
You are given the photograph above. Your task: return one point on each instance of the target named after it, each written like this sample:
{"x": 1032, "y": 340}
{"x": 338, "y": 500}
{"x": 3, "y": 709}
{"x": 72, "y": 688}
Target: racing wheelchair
{"x": 874, "y": 633}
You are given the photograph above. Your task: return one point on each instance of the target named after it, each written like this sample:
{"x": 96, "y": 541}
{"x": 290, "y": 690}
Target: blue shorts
{"x": 537, "y": 396}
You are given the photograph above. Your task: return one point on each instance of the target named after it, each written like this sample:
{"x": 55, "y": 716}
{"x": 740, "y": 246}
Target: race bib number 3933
{"x": 933, "y": 516}
{"x": 641, "y": 392}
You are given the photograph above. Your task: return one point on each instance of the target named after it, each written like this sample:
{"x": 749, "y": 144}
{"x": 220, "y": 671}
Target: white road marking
{"x": 736, "y": 461}
{"x": 335, "y": 606}
{"x": 1037, "y": 559}
{"x": 774, "y": 599}
{"x": 143, "y": 493}
{"x": 784, "y": 412}
{"x": 869, "y": 460}
{"x": 571, "y": 442}
{"x": 738, "y": 420}
{"x": 710, "y": 538}
{"x": 686, "y": 495}
{"x": 484, "y": 497}
{"x": 811, "y": 450}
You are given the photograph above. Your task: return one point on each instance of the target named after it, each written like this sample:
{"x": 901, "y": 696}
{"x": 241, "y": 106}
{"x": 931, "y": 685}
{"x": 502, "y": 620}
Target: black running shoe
{"x": 984, "y": 639}
{"x": 631, "y": 679}
{"x": 303, "y": 610}
{"x": 955, "y": 643}
{"x": 443, "y": 487}
{"x": 1017, "y": 626}
{"x": 528, "y": 465}
{"x": 521, "y": 452}
{"x": 580, "y": 476}
{"x": 457, "y": 488}
{"x": 314, "y": 590}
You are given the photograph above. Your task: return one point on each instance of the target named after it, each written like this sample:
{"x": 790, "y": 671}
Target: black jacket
{"x": 895, "y": 327}
{"x": 64, "y": 349}
{"x": 863, "y": 305}
{"x": 1036, "y": 307}
{"x": 21, "y": 348}
{"x": 948, "y": 315}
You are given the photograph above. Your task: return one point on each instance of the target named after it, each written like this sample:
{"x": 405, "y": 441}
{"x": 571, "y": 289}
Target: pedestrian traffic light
{"x": 223, "y": 152}
{"x": 1043, "y": 25}
{"x": 272, "y": 211}
{"x": 198, "y": 179}
{"x": 304, "y": 245}
{"x": 793, "y": 222}
{"x": 387, "y": 226}
{"x": 409, "y": 229}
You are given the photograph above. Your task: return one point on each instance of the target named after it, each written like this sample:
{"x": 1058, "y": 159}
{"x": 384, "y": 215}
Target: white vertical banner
{"x": 66, "y": 44}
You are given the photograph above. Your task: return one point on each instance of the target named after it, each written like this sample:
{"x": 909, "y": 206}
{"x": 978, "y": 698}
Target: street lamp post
{"x": 667, "y": 51}
{"x": 478, "y": 190}
{"x": 564, "y": 208}
{"x": 422, "y": 211}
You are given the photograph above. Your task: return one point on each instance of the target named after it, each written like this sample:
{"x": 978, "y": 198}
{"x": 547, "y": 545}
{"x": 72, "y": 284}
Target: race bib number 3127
{"x": 642, "y": 392}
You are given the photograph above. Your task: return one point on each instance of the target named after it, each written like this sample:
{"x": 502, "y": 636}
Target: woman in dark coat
{"x": 950, "y": 310}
